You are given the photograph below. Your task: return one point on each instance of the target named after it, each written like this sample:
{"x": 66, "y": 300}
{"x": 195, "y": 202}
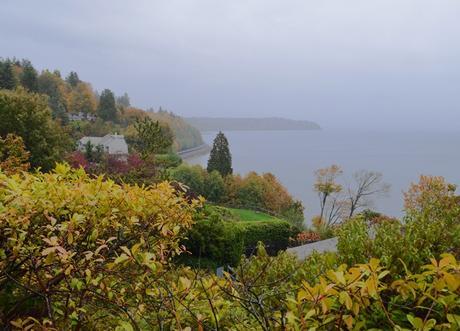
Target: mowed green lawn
{"x": 246, "y": 215}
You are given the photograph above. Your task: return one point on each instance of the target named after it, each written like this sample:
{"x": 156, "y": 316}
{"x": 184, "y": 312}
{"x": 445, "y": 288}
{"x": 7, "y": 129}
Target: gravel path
{"x": 328, "y": 245}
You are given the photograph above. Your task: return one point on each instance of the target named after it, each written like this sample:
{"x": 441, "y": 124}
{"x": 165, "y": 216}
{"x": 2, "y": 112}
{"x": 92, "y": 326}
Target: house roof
{"x": 113, "y": 143}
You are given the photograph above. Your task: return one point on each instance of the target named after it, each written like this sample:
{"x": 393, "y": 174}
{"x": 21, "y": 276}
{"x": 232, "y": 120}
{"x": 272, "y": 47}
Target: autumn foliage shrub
{"x": 85, "y": 253}
{"x": 75, "y": 249}
{"x": 281, "y": 293}
{"x": 305, "y": 237}
{"x": 253, "y": 191}
{"x": 431, "y": 227}
{"x": 13, "y": 155}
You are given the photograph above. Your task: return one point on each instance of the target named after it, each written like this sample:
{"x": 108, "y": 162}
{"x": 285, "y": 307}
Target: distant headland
{"x": 250, "y": 124}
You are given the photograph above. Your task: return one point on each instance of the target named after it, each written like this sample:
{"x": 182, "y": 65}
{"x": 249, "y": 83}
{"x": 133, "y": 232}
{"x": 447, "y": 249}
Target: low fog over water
{"x": 352, "y": 64}
{"x": 293, "y": 156}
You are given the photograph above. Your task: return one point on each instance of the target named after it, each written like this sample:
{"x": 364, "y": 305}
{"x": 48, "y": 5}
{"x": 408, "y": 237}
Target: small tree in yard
{"x": 220, "y": 158}
{"x": 337, "y": 204}
{"x": 152, "y": 137}
{"x": 13, "y": 155}
{"x": 326, "y": 186}
{"x": 366, "y": 185}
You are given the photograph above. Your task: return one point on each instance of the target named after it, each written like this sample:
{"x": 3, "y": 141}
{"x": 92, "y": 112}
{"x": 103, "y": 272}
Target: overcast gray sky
{"x": 342, "y": 63}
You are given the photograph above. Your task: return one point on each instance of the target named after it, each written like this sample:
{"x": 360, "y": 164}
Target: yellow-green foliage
{"x": 13, "y": 155}
{"x": 85, "y": 253}
{"x": 266, "y": 294}
{"x": 74, "y": 249}
{"x": 366, "y": 296}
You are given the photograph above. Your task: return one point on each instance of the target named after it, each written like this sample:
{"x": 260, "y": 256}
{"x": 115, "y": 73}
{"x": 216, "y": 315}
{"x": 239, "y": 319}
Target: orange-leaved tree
{"x": 13, "y": 155}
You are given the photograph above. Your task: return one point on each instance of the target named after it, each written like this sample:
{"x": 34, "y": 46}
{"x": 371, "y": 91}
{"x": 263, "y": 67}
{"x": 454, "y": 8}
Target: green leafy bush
{"x": 430, "y": 228}
{"x": 72, "y": 245}
{"x": 354, "y": 244}
{"x": 166, "y": 161}
{"x": 273, "y": 234}
{"x": 219, "y": 236}
{"x": 214, "y": 187}
{"x": 192, "y": 176}
{"x": 216, "y": 240}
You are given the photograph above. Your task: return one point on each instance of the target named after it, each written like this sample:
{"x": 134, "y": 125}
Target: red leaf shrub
{"x": 77, "y": 159}
{"x": 305, "y": 237}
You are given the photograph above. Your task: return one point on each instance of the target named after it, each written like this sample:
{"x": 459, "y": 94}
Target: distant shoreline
{"x": 250, "y": 124}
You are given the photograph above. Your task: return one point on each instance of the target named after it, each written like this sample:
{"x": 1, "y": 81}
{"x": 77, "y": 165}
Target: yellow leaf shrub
{"x": 72, "y": 246}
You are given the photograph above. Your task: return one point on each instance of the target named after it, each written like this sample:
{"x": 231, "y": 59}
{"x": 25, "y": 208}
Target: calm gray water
{"x": 293, "y": 156}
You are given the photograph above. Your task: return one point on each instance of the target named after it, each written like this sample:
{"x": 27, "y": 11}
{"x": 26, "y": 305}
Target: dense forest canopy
{"x": 75, "y": 103}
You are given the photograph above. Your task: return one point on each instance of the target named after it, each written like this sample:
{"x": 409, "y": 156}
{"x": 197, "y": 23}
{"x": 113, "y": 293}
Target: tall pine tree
{"x": 73, "y": 79}
{"x": 220, "y": 158}
{"x": 7, "y": 79}
{"x": 107, "y": 108}
{"x": 29, "y": 76}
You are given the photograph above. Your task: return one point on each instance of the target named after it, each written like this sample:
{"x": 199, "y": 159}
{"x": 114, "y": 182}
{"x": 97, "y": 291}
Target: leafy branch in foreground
{"x": 74, "y": 249}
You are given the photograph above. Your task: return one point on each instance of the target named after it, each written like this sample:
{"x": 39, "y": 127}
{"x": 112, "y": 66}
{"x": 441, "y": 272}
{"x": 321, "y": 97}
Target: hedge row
{"x": 224, "y": 242}
{"x": 274, "y": 234}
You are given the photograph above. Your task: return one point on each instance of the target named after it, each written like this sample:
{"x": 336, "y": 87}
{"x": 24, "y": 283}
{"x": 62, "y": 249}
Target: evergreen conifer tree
{"x": 73, "y": 79}
{"x": 107, "y": 108}
{"x": 29, "y": 76}
{"x": 220, "y": 158}
{"x": 7, "y": 79}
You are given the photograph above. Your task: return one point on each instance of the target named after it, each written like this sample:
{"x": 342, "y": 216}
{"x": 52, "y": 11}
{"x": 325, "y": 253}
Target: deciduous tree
{"x": 151, "y": 137}
{"x": 124, "y": 100}
{"x": 432, "y": 196}
{"x": 327, "y": 187}
{"x": 53, "y": 86}
{"x": 28, "y": 116}
{"x": 82, "y": 99}
{"x": 13, "y": 155}
{"x": 367, "y": 184}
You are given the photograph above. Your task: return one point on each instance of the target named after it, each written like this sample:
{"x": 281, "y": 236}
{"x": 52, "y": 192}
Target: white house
{"x": 113, "y": 144}
{"x": 81, "y": 117}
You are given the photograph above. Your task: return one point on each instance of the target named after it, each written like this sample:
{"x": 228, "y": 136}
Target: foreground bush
{"x": 266, "y": 293}
{"x": 79, "y": 251}
{"x": 430, "y": 228}
{"x": 87, "y": 254}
